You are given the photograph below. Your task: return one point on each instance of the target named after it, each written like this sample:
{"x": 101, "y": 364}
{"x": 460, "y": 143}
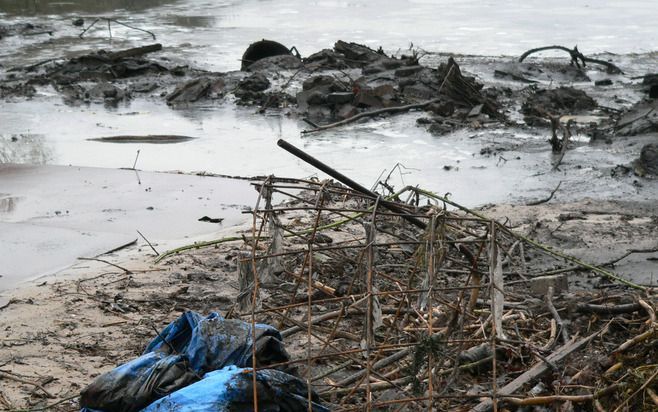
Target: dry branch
{"x": 536, "y": 371}
{"x": 576, "y": 55}
{"x": 545, "y": 400}
{"x": 37, "y": 385}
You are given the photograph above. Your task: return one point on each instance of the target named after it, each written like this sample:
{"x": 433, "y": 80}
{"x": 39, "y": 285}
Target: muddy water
{"x": 230, "y": 140}
{"x": 51, "y": 215}
{"x": 213, "y": 35}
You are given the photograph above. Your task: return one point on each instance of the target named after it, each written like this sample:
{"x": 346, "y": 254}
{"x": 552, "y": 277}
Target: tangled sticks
{"x": 576, "y": 55}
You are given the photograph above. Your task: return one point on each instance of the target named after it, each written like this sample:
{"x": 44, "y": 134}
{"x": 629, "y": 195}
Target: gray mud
{"x": 59, "y": 213}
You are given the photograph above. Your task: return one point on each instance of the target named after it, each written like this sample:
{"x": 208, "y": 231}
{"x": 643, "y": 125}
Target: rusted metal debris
{"x": 407, "y": 305}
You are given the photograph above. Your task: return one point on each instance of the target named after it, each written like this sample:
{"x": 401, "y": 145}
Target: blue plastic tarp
{"x": 231, "y": 389}
{"x": 180, "y": 355}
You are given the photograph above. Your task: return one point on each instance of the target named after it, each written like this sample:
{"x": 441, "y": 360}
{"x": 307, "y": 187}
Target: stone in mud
{"x": 276, "y": 63}
{"x": 143, "y": 86}
{"x": 418, "y": 91}
{"x": 326, "y": 59}
{"x": 317, "y": 113}
{"x": 647, "y": 164}
{"x": 382, "y": 95}
{"x": 105, "y": 91}
{"x": 322, "y": 81}
{"x": 366, "y": 98}
{"x": 189, "y": 91}
{"x": 197, "y": 89}
{"x": 604, "y": 82}
{"x": 312, "y": 97}
{"x": 316, "y": 91}
{"x": 445, "y": 109}
{"x": 555, "y": 102}
{"x": 382, "y": 65}
{"x": 440, "y": 128}
{"x": 257, "y": 82}
{"x": 346, "y": 111}
{"x": 20, "y": 89}
{"x": 358, "y": 55}
{"x": 408, "y": 71}
{"x": 340, "y": 97}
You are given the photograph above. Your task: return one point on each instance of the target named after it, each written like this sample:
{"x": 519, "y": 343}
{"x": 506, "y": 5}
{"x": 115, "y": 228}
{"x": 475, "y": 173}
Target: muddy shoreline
{"x": 64, "y": 330}
{"x": 493, "y": 138}
{"x": 560, "y": 149}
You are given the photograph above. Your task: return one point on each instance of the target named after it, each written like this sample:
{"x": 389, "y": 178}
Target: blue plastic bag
{"x": 181, "y": 354}
{"x": 230, "y": 389}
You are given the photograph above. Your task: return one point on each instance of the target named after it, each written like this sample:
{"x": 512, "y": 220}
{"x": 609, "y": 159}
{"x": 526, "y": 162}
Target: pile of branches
{"x": 399, "y": 302}
{"x": 409, "y": 301}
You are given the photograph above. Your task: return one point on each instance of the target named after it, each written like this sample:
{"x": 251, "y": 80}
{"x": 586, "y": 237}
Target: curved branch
{"x": 576, "y": 55}
{"x": 395, "y": 109}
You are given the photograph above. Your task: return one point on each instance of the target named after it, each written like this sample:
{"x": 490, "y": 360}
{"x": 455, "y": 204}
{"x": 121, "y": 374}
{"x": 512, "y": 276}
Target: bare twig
{"x": 128, "y": 272}
{"x": 566, "y": 135}
{"x": 549, "y": 303}
{"x": 109, "y": 29}
{"x": 545, "y": 400}
{"x": 47, "y": 407}
{"x": 539, "y": 202}
{"x": 37, "y": 385}
{"x": 149, "y": 243}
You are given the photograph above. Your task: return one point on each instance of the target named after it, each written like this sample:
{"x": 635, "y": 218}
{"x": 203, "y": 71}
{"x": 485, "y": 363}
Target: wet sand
{"x": 69, "y": 328}
{"x": 51, "y": 215}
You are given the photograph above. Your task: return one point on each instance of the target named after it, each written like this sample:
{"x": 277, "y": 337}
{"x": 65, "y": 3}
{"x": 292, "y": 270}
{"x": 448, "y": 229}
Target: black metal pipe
{"x": 347, "y": 181}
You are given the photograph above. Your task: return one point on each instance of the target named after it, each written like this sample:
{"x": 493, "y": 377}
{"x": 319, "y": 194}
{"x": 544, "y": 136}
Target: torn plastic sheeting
{"x": 215, "y": 342}
{"x": 180, "y": 354}
{"x": 137, "y": 383}
{"x": 230, "y": 389}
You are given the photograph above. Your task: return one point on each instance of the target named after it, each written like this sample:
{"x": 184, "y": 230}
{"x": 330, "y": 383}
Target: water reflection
{"x": 25, "y": 148}
{"x": 36, "y": 7}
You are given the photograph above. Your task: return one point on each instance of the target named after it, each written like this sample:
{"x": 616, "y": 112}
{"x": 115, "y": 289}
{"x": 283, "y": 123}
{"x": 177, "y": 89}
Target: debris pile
{"x": 408, "y": 301}
{"x": 546, "y": 103}
{"x": 98, "y": 77}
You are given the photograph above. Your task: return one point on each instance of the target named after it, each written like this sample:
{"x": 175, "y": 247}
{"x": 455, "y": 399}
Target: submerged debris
{"x": 152, "y": 138}
{"x": 641, "y": 118}
{"x": 555, "y": 102}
